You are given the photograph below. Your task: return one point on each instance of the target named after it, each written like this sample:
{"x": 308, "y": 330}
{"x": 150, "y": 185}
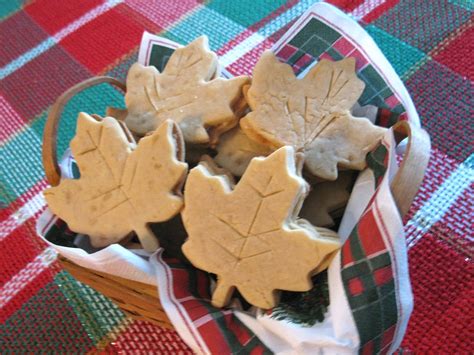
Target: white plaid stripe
{"x": 366, "y": 7}
{"x": 28, "y": 210}
{"x": 10, "y": 120}
{"x": 26, "y": 275}
{"x": 439, "y": 203}
{"x": 42, "y": 47}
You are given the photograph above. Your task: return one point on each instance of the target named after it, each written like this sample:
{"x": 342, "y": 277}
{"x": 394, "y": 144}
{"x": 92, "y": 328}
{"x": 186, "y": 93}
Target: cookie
{"x": 327, "y": 199}
{"x": 214, "y": 169}
{"x": 120, "y": 115}
{"x": 117, "y": 113}
{"x": 311, "y": 114}
{"x": 368, "y": 111}
{"x": 248, "y": 235}
{"x": 186, "y": 92}
{"x": 235, "y": 151}
{"x": 123, "y": 186}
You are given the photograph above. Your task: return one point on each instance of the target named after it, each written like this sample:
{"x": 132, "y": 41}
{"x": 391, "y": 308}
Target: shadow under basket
{"x": 140, "y": 300}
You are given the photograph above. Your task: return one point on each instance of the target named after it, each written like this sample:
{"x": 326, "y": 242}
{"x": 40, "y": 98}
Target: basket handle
{"x": 50, "y": 135}
{"x": 409, "y": 177}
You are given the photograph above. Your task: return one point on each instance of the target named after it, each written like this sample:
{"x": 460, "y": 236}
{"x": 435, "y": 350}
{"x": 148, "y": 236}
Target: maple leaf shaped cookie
{"x": 311, "y": 114}
{"x": 187, "y": 91}
{"x": 123, "y": 186}
{"x": 248, "y": 235}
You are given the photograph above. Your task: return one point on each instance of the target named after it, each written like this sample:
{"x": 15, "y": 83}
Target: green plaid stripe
{"x": 23, "y": 172}
{"x": 376, "y": 162}
{"x": 376, "y": 90}
{"x": 20, "y": 174}
{"x": 45, "y": 322}
{"x": 433, "y": 21}
{"x": 94, "y": 99}
{"x": 98, "y": 315}
{"x": 373, "y": 305}
{"x": 400, "y": 54}
{"x": 159, "y": 56}
{"x": 321, "y": 39}
{"x": 205, "y": 21}
{"x": 233, "y": 9}
{"x": 121, "y": 69}
{"x": 9, "y": 7}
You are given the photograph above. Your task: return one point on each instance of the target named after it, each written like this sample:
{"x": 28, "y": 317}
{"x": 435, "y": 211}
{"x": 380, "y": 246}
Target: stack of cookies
{"x": 259, "y": 169}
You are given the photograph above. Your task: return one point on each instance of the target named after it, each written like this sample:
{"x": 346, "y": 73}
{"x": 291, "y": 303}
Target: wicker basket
{"x": 140, "y": 300}
{"x": 136, "y": 299}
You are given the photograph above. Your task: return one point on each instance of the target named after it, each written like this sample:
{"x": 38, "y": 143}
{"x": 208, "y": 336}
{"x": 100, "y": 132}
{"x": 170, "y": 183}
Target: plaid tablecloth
{"x": 47, "y": 46}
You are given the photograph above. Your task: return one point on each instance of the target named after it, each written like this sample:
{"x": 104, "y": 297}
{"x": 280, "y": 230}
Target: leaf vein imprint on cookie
{"x": 248, "y": 234}
{"x": 188, "y": 91}
{"x": 106, "y": 163}
{"x": 120, "y": 189}
{"x": 312, "y": 114}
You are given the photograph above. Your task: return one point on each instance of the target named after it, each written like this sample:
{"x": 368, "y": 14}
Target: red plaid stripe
{"x": 98, "y": 43}
{"x": 10, "y": 263}
{"x": 371, "y": 238}
{"x": 44, "y": 84}
{"x": 220, "y": 329}
{"x": 456, "y": 222}
{"x": 457, "y": 54}
{"x": 379, "y": 10}
{"x": 346, "y": 5}
{"x": 18, "y": 34}
{"x": 54, "y": 15}
{"x": 445, "y": 285}
{"x": 243, "y": 65}
{"x": 144, "y": 337}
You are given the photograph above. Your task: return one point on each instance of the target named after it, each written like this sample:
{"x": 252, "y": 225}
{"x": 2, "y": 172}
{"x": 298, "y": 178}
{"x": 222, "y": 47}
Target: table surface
{"x": 48, "y": 46}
